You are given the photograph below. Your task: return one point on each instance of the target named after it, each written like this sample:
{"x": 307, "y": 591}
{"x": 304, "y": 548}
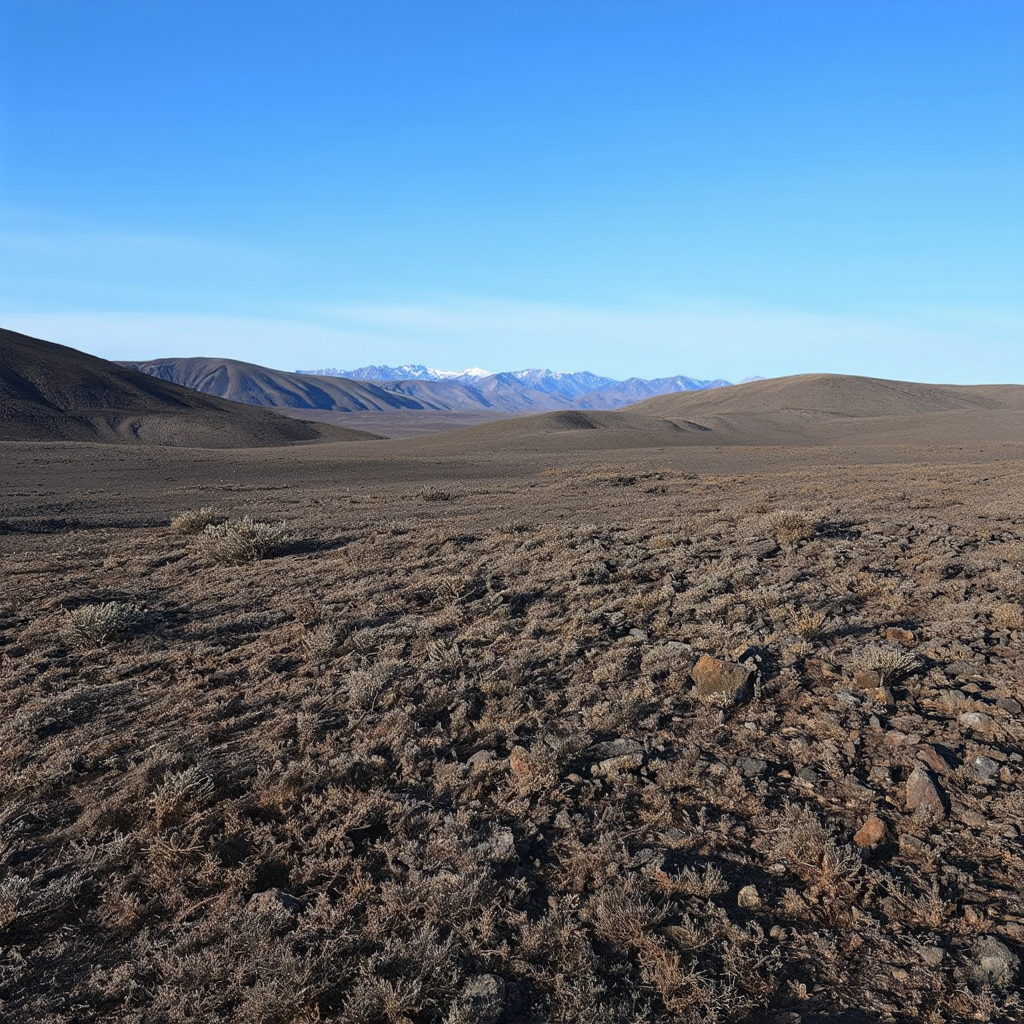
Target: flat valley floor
{"x": 451, "y": 754}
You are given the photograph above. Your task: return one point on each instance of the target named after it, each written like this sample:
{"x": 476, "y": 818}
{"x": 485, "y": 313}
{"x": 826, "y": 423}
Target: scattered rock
{"x": 616, "y": 756}
{"x": 481, "y": 757}
{"x": 481, "y": 1001}
{"x": 520, "y": 762}
{"x": 639, "y": 634}
{"x": 900, "y": 636}
{"x": 714, "y": 677}
{"x": 983, "y": 769}
{"x": 940, "y": 761}
{"x": 501, "y": 845}
{"x": 867, "y": 679}
{"x": 751, "y": 767}
{"x": 923, "y": 794}
{"x": 748, "y": 897}
{"x": 994, "y": 963}
{"x": 977, "y": 722}
{"x": 808, "y": 775}
{"x": 871, "y": 834}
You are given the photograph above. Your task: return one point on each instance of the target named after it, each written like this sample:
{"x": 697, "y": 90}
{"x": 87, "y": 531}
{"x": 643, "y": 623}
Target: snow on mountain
{"x": 410, "y": 371}
{"x": 554, "y": 382}
{"x": 587, "y": 389}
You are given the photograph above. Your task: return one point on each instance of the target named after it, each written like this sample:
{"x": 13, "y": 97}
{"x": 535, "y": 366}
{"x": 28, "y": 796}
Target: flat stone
{"x": 481, "y": 757}
{"x": 871, "y": 834}
{"x": 867, "y": 679}
{"x": 613, "y": 765}
{"x": 615, "y": 748}
{"x": 973, "y": 818}
{"x": 501, "y": 845}
{"x": 978, "y": 722}
{"x": 1009, "y": 705}
{"x": 751, "y": 767}
{"x": 924, "y": 794}
{"x": 482, "y": 1000}
{"x": 714, "y": 677}
{"x": 931, "y": 955}
{"x": 900, "y": 636}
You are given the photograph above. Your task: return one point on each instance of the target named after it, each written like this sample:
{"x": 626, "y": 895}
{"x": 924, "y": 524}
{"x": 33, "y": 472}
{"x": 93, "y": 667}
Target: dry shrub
{"x": 319, "y": 642}
{"x": 93, "y": 625}
{"x": 1008, "y": 616}
{"x": 194, "y": 520}
{"x": 889, "y": 662}
{"x": 790, "y": 527}
{"x": 807, "y": 623}
{"x": 242, "y": 540}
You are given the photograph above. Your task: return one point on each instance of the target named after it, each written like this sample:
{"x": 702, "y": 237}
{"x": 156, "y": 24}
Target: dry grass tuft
{"x": 194, "y": 521}
{"x": 808, "y": 623}
{"x": 435, "y": 494}
{"x": 319, "y": 642}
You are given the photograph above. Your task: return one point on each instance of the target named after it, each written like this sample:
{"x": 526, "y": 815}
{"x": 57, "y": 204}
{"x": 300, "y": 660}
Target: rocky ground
{"x": 594, "y": 745}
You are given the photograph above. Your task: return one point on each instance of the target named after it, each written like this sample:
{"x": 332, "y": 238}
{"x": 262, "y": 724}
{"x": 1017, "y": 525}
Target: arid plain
{"x": 708, "y": 710}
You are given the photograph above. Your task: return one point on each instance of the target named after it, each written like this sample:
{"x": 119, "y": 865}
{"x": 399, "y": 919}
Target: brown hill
{"x": 839, "y": 409}
{"x": 814, "y": 409}
{"x": 50, "y": 392}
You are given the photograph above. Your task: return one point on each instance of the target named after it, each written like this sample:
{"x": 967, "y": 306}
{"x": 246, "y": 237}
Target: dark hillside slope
{"x": 260, "y": 385}
{"x": 50, "y": 392}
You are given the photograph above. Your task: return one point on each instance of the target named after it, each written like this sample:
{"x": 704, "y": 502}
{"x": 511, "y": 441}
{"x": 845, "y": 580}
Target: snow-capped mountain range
{"x": 569, "y": 385}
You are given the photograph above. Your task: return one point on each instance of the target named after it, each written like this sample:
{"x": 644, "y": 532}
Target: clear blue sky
{"x": 716, "y": 188}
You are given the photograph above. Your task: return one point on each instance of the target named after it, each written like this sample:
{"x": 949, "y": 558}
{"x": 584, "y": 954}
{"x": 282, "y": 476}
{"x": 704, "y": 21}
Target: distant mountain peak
{"x": 408, "y": 371}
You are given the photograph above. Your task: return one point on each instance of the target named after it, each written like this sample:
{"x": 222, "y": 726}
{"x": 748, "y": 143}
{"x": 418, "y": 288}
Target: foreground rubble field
{"x": 596, "y": 746}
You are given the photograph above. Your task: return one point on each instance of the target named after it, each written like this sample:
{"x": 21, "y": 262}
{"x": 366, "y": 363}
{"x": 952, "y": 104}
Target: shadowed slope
{"x": 260, "y": 385}
{"x": 51, "y": 392}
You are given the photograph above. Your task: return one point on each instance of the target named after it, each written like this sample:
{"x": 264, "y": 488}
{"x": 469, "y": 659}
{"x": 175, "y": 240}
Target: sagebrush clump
{"x": 242, "y": 540}
{"x": 92, "y": 625}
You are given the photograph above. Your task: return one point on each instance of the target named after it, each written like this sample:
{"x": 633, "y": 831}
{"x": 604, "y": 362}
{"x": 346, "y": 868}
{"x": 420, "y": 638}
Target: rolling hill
{"x": 50, "y": 392}
{"x": 412, "y": 387}
{"x": 808, "y": 410}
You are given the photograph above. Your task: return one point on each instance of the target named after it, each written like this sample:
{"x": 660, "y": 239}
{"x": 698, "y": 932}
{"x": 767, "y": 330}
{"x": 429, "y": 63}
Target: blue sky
{"x": 716, "y": 188}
